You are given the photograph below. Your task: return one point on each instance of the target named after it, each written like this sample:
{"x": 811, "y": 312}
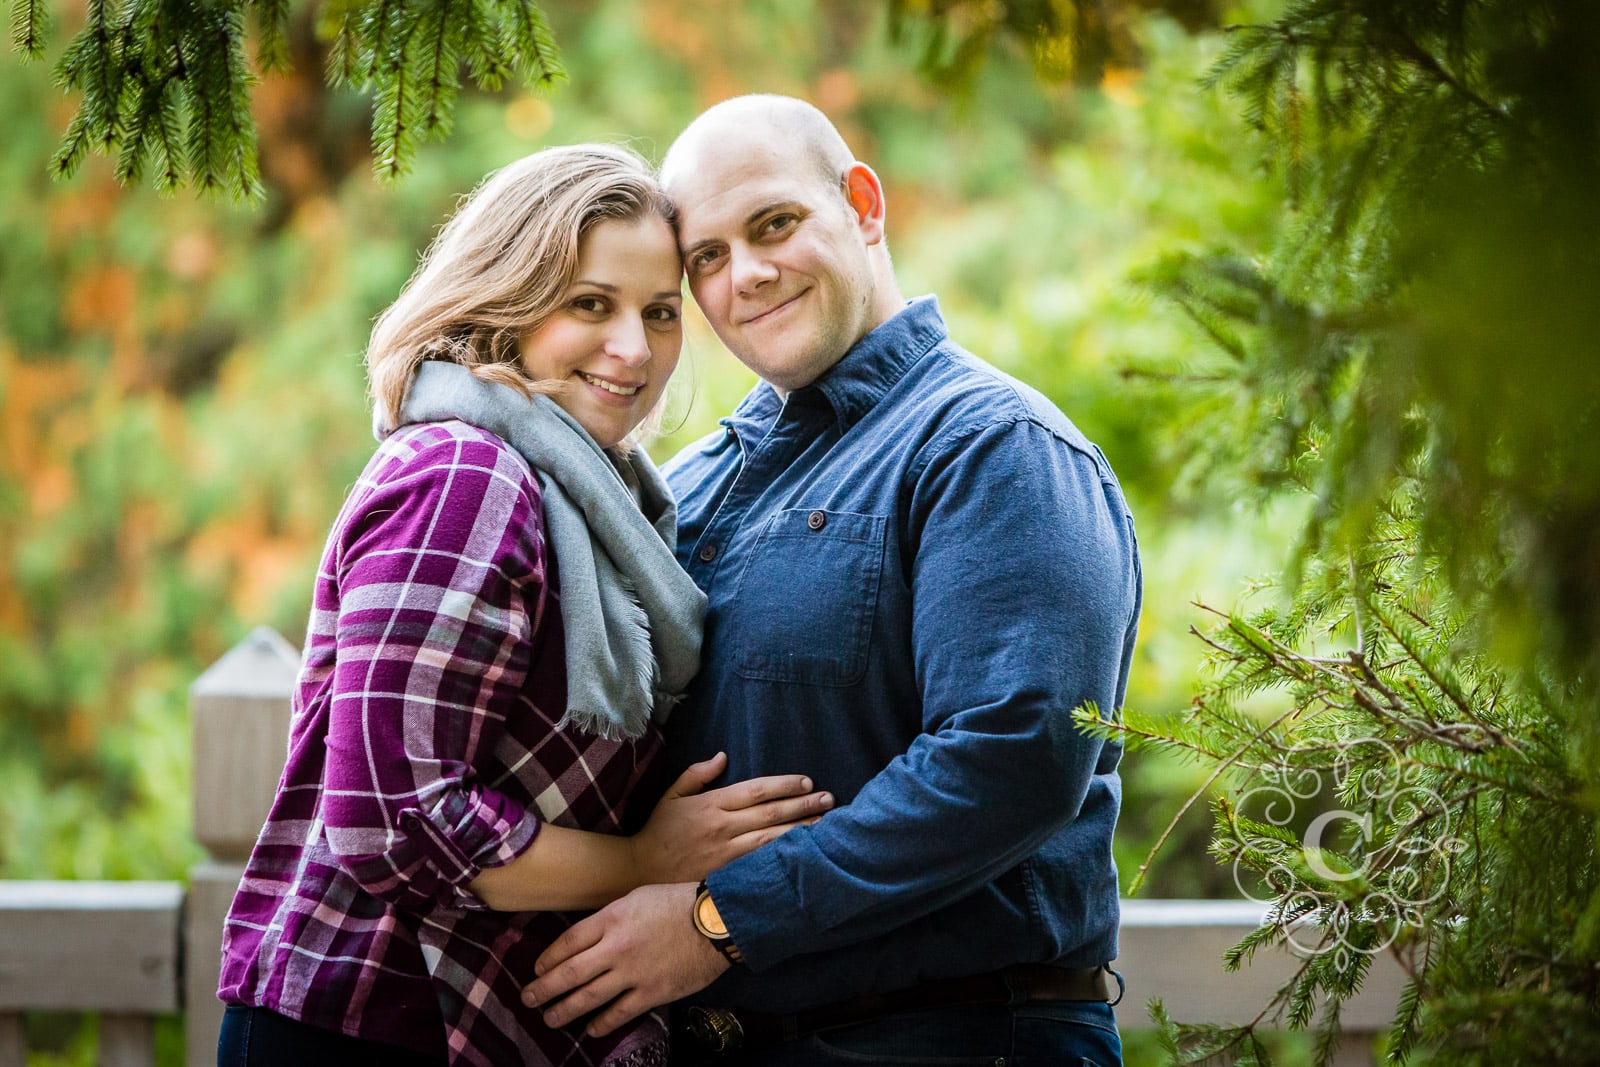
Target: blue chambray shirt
{"x": 917, "y": 568}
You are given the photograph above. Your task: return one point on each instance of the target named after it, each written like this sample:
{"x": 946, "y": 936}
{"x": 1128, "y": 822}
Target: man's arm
{"x": 637, "y": 953}
{"x": 1024, "y": 589}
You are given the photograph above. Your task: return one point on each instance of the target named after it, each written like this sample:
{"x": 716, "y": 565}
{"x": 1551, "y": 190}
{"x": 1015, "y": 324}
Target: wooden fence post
{"x": 107, "y": 947}
{"x": 240, "y": 715}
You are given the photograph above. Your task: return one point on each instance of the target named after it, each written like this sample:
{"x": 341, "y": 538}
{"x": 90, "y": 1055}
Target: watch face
{"x": 710, "y": 921}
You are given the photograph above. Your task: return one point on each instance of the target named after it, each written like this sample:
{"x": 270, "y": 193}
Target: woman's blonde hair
{"x": 498, "y": 267}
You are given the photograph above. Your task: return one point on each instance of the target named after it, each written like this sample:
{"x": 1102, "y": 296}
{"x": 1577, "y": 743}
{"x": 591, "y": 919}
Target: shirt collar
{"x": 855, "y": 384}
{"x": 879, "y": 360}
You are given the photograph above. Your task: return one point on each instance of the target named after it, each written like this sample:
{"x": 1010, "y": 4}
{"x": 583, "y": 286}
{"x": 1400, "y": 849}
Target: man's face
{"x": 775, "y": 256}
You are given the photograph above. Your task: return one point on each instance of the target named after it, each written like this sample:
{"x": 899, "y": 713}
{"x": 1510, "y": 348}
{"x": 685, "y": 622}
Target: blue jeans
{"x": 256, "y": 1037}
{"x": 1073, "y": 1034}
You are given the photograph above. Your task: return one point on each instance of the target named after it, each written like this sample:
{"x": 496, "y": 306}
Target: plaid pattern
{"x": 425, "y": 747}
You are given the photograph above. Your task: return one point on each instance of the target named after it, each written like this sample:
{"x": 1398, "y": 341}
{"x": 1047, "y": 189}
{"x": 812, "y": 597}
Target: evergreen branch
{"x": 221, "y": 142}
{"x": 91, "y": 65}
{"x": 238, "y": 134}
{"x": 1408, "y": 1014}
{"x": 1435, "y": 672}
{"x": 165, "y": 143}
{"x": 536, "y": 50}
{"x": 1358, "y": 656}
{"x": 1183, "y": 810}
{"x": 30, "y": 26}
{"x": 1327, "y": 1043}
{"x": 73, "y": 148}
{"x": 201, "y": 106}
{"x": 272, "y": 51}
{"x": 377, "y": 22}
{"x": 442, "y": 62}
{"x": 1509, "y": 784}
{"x": 1413, "y": 50}
{"x": 1147, "y": 736}
{"x": 488, "y": 40}
{"x": 130, "y": 160}
{"x": 394, "y": 123}
{"x": 340, "y": 24}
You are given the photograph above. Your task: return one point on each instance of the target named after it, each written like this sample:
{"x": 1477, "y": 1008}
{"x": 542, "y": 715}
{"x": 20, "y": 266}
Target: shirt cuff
{"x": 755, "y": 898}
{"x": 460, "y": 836}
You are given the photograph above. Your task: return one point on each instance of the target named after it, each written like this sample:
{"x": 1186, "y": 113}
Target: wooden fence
{"x": 132, "y": 951}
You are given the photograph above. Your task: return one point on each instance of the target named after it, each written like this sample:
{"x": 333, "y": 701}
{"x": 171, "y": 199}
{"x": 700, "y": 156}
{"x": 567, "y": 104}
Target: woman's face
{"x": 615, "y": 333}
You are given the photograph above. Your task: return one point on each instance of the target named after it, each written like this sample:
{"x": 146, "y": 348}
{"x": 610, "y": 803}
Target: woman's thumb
{"x": 697, "y": 776}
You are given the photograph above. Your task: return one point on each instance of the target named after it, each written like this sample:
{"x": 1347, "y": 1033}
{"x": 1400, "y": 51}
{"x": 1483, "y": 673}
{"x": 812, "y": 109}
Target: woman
{"x": 498, "y": 629}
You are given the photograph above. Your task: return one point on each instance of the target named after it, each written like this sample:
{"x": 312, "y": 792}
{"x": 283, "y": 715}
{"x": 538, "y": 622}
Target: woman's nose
{"x": 629, "y": 342}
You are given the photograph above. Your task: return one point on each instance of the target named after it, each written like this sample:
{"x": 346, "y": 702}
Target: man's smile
{"x": 774, "y": 310}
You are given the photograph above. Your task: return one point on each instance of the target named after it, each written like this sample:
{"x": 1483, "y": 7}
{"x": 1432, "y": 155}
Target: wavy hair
{"x": 498, "y": 268}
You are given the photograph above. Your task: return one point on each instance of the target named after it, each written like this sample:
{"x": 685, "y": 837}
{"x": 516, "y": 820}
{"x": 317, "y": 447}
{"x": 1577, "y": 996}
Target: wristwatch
{"x": 709, "y": 922}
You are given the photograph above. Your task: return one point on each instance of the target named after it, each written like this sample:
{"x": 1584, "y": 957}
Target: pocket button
{"x": 817, "y": 520}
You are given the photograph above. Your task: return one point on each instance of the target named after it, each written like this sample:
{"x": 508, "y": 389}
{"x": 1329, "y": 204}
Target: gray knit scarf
{"x": 630, "y": 615}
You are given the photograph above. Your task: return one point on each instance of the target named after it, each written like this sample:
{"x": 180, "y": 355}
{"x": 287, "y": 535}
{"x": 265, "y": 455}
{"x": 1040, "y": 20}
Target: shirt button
{"x": 707, "y": 553}
{"x": 817, "y": 520}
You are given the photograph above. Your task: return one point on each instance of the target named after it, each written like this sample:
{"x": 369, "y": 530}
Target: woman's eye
{"x": 592, "y": 304}
{"x": 664, "y": 313}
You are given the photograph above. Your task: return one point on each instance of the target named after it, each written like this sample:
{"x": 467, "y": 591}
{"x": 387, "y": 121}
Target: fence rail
{"x": 131, "y": 951}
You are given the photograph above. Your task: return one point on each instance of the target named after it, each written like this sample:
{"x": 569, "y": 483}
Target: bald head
{"x": 782, "y": 125}
{"x": 782, "y": 233}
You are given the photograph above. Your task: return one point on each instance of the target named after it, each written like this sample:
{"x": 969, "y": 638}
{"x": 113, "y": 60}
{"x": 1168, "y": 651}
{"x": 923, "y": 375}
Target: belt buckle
{"x": 716, "y": 1029}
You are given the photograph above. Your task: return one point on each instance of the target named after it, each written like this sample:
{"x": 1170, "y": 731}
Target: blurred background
{"x": 182, "y": 403}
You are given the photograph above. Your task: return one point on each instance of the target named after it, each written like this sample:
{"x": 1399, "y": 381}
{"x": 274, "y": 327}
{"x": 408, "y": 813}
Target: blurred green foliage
{"x": 1411, "y": 357}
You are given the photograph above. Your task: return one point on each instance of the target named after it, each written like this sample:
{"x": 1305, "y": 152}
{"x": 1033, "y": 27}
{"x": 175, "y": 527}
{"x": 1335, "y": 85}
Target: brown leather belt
{"x": 720, "y": 1031}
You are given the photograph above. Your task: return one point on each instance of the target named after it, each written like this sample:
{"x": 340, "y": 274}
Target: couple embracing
{"x": 768, "y": 759}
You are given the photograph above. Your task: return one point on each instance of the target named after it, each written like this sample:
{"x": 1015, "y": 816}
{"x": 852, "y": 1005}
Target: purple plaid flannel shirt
{"x": 424, "y": 748}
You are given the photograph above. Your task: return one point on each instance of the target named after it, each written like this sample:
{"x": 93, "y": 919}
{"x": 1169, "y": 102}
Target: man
{"x": 917, "y": 569}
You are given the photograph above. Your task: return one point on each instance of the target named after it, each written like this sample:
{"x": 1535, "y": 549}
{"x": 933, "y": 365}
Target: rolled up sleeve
{"x": 438, "y": 582}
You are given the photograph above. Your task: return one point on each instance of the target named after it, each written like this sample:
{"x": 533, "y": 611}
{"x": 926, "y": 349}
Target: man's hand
{"x": 638, "y": 953}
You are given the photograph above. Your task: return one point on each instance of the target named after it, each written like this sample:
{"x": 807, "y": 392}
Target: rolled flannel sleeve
{"x": 437, "y": 587}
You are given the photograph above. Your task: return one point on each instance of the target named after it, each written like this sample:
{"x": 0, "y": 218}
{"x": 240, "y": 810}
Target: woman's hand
{"x": 692, "y": 832}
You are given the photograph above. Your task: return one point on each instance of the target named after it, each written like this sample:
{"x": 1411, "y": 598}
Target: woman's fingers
{"x": 754, "y": 791}
{"x": 791, "y": 811}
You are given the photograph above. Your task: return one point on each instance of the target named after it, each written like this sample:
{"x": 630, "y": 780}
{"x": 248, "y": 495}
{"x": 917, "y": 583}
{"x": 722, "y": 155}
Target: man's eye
{"x": 704, "y": 259}
{"x": 778, "y": 223}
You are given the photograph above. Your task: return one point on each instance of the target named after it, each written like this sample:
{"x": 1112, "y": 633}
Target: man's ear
{"x": 865, "y": 193}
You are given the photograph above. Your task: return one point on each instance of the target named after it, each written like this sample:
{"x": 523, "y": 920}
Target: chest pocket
{"x": 805, "y": 602}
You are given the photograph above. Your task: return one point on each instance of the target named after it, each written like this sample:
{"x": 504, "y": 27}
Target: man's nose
{"x": 751, "y": 269}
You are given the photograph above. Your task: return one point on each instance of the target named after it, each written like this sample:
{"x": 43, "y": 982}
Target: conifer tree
{"x": 1415, "y": 357}
{"x": 164, "y": 85}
